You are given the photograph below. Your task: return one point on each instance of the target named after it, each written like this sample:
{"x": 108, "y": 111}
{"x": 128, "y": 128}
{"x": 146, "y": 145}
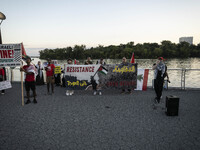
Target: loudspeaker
{"x": 172, "y": 105}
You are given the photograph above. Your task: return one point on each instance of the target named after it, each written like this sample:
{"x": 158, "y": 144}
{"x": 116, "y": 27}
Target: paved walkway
{"x": 111, "y": 121}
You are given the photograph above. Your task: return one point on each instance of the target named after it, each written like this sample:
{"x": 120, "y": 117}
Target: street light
{"x": 2, "y": 17}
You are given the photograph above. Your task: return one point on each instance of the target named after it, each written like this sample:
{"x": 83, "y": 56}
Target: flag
{"x": 103, "y": 70}
{"x": 24, "y": 55}
{"x": 133, "y": 59}
{"x": 142, "y": 79}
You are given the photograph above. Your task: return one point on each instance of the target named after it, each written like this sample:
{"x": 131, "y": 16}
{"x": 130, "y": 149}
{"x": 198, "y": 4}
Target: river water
{"x": 192, "y": 76}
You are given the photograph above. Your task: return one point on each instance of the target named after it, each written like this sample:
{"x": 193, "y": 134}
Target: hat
{"x": 160, "y": 58}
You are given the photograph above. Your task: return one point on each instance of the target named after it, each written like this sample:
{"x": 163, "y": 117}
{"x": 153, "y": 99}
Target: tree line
{"x": 166, "y": 49}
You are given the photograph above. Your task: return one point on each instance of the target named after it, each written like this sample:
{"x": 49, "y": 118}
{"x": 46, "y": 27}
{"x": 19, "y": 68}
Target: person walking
{"x": 29, "y": 79}
{"x": 50, "y": 76}
{"x": 159, "y": 73}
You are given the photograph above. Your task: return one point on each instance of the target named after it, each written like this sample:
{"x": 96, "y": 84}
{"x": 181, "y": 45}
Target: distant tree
{"x": 166, "y": 49}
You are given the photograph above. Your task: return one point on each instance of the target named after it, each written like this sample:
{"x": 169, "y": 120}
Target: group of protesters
{"x": 31, "y": 70}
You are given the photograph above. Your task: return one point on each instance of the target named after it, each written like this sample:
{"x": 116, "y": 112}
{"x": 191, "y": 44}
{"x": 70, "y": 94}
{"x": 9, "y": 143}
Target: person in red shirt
{"x": 50, "y": 75}
{"x": 2, "y": 78}
{"x": 29, "y": 80}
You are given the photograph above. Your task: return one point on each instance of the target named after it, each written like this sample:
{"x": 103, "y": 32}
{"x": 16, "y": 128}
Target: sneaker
{"x": 67, "y": 93}
{"x": 95, "y": 93}
{"x": 129, "y": 92}
{"x": 2, "y": 93}
{"x": 34, "y": 101}
{"x": 122, "y": 92}
{"x": 28, "y": 101}
{"x": 70, "y": 93}
{"x": 156, "y": 100}
{"x": 100, "y": 93}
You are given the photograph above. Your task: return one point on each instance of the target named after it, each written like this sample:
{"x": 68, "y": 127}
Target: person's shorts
{"x": 29, "y": 85}
{"x": 50, "y": 79}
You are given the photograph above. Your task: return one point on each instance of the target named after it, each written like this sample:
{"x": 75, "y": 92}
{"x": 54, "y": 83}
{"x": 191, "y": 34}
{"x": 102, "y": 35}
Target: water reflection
{"x": 192, "y": 77}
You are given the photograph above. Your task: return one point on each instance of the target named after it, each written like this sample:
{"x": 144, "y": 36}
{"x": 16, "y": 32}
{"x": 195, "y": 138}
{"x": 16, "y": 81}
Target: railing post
{"x": 184, "y": 78}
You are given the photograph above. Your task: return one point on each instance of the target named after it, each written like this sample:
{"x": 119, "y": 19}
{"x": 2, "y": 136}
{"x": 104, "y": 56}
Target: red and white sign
{"x": 10, "y": 55}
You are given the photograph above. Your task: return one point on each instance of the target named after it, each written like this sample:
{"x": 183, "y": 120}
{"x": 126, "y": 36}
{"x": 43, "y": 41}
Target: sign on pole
{"x": 10, "y": 55}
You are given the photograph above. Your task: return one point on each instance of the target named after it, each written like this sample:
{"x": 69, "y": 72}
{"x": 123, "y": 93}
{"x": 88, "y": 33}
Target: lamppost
{"x": 2, "y": 17}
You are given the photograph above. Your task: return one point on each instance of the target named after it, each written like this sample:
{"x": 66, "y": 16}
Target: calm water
{"x": 192, "y": 77}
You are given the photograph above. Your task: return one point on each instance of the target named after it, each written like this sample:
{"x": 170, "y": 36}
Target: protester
{"x": 98, "y": 87}
{"x": 2, "y": 77}
{"x": 88, "y": 61}
{"x": 101, "y": 61}
{"x": 159, "y": 74}
{"x": 125, "y": 63}
{"x": 39, "y": 77}
{"x": 69, "y": 92}
{"x": 50, "y": 76}
{"x": 77, "y": 62}
{"x": 57, "y": 76}
{"x": 29, "y": 79}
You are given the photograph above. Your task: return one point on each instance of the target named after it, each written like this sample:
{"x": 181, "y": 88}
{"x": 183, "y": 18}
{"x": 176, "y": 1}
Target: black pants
{"x": 57, "y": 79}
{"x": 158, "y": 86}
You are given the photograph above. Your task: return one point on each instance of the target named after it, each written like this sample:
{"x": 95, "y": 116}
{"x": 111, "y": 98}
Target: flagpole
{"x": 22, "y": 85}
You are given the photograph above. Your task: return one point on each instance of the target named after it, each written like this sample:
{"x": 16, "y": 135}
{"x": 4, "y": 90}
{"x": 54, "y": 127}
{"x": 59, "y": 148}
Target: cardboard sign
{"x": 10, "y": 55}
{"x": 57, "y": 70}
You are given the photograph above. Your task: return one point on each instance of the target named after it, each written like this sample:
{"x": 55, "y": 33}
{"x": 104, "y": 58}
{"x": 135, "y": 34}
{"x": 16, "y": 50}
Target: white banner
{"x": 5, "y": 85}
{"x": 79, "y": 76}
{"x": 10, "y": 55}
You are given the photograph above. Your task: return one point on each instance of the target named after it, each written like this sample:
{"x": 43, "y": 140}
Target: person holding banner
{"x": 50, "y": 76}
{"x": 125, "y": 63}
{"x": 29, "y": 79}
{"x": 69, "y": 92}
{"x": 2, "y": 77}
{"x": 39, "y": 77}
{"x": 88, "y": 61}
{"x": 57, "y": 73}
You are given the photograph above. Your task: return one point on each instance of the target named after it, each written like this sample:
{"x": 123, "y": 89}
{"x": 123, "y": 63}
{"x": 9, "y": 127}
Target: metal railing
{"x": 182, "y": 77}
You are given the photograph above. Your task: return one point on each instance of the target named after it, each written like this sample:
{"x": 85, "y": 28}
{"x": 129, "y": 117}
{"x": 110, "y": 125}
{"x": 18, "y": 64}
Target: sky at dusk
{"x": 43, "y": 24}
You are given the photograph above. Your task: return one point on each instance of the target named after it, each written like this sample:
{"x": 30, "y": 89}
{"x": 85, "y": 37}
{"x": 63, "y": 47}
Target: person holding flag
{"x": 29, "y": 79}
